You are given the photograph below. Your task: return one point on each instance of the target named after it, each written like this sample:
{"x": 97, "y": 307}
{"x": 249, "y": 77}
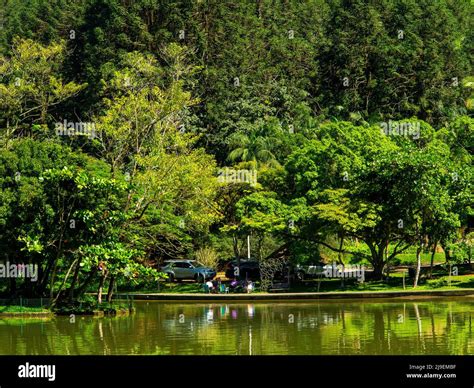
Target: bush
{"x": 208, "y": 257}
{"x": 88, "y": 306}
{"x": 437, "y": 283}
{"x": 461, "y": 251}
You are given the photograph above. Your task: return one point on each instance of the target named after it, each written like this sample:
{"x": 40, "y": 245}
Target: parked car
{"x": 187, "y": 269}
{"x": 248, "y": 269}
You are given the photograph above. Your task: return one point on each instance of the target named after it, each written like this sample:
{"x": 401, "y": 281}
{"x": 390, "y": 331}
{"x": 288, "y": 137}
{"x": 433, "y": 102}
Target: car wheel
{"x": 199, "y": 278}
{"x": 170, "y": 278}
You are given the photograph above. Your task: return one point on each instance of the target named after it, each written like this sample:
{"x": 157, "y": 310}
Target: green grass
{"x": 88, "y": 305}
{"x": 22, "y": 309}
{"x": 394, "y": 283}
{"x": 410, "y": 258}
{"x": 173, "y": 288}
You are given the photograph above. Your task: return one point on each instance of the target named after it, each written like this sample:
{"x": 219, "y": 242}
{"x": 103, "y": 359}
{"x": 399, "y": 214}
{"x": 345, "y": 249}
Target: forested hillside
{"x": 139, "y": 130}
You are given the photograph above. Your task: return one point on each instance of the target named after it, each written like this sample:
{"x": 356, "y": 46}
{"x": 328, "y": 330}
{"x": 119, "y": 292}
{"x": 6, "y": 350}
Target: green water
{"x": 438, "y": 326}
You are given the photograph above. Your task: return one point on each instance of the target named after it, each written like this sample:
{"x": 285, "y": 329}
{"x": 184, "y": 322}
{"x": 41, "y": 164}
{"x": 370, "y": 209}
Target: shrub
{"x": 437, "y": 283}
{"x": 207, "y": 256}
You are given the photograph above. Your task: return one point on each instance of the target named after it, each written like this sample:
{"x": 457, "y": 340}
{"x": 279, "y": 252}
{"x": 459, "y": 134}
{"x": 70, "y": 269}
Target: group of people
{"x": 215, "y": 286}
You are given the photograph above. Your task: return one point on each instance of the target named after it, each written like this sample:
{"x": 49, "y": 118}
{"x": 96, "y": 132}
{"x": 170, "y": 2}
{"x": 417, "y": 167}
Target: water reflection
{"x": 422, "y": 327}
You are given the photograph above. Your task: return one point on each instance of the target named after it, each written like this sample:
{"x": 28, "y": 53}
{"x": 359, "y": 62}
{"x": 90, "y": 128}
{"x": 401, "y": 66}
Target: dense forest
{"x": 133, "y": 131}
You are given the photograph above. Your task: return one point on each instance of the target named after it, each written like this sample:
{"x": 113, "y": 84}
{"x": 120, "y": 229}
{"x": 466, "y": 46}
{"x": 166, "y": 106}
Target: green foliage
{"x": 31, "y": 86}
{"x": 401, "y": 58}
{"x": 298, "y": 91}
{"x": 208, "y": 257}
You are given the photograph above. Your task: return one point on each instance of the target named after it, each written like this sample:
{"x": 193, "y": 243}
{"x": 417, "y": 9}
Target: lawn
{"x": 21, "y": 309}
{"x": 410, "y": 258}
{"x": 394, "y": 283}
{"x": 184, "y": 287}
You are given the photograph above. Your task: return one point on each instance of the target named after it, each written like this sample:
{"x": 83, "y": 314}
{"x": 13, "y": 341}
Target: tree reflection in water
{"x": 438, "y": 326}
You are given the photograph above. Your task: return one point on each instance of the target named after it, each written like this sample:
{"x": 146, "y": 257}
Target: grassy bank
{"x": 22, "y": 309}
{"x": 394, "y": 283}
{"x": 410, "y": 259}
{"x": 88, "y": 306}
{"x": 13, "y": 311}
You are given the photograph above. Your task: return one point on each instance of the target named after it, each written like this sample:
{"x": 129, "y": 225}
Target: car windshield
{"x": 197, "y": 265}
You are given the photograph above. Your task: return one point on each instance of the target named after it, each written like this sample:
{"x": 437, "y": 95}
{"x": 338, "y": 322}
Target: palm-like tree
{"x": 253, "y": 146}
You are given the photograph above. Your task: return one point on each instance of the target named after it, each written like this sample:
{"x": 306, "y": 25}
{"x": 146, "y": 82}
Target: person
{"x": 249, "y": 287}
{"x": 209, "y": 285}
{"x": 234, "y": 285}
{"x": 216, "y": 283}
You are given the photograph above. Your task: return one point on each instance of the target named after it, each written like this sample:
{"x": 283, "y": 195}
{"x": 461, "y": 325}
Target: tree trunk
{"x": 377, "y": 260}
{"x": 387, "y": 257}
{"x": 53, "y": 277}
{"x": 45, "y": 275}
{"x": 418, "y": 265}
{"x": 55, "y": 265}
{"x": 339, "y": 254}
{"x": 447, "y": 253}
{"x": 378, "y": 270}
{"x": 435, "y": 245}
{"x": 35, "y": 285}
{"x": 74, "y": 280}
{"x": 58, "y": 295}
{"x": 110, "y": 291}
{"x": 101, "y": 287}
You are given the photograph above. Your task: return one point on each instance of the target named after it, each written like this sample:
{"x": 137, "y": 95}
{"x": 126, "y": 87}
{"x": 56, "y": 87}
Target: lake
{"x": 349, "y": 327}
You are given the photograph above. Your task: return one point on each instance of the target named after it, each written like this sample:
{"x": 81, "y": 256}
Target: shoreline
{"x": 296, "y": 295}
{"x": 39, "y": 314}
{"x": 266, "y": 297}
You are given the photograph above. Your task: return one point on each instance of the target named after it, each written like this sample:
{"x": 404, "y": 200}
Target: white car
{"x": 187, "y": 269}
